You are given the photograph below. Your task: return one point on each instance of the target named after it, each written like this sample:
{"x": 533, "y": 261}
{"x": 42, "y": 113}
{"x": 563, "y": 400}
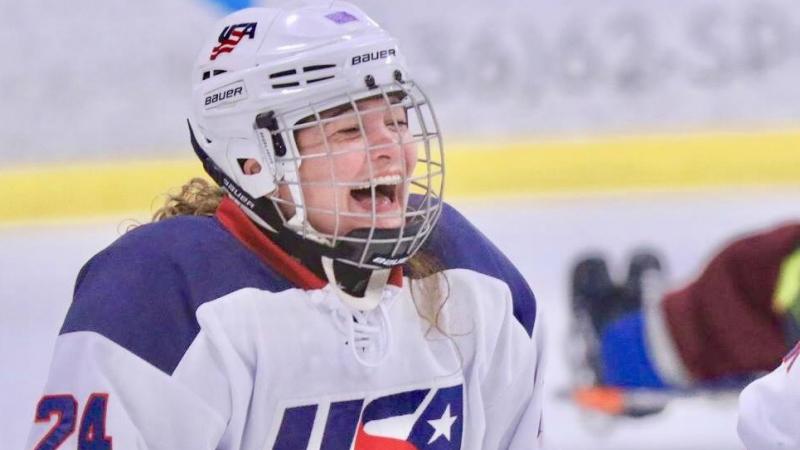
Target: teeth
{"x": 385, "y": 180}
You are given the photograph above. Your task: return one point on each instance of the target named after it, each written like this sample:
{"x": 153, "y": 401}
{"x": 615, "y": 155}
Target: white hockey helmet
{"x": 266, "y": 74}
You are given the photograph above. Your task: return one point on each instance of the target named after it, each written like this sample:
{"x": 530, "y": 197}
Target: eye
{"x": 396, "y": 119}
{"x": 345, "y": 128}
{"x": 345, "y": 133}
{"x": 397, "y": 125}
{"x": 349, "y": 132}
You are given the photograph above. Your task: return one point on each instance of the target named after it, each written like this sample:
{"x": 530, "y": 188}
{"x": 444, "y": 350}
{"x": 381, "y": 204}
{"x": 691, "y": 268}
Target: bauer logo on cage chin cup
{"x": 388, "y": 262}
{"x": 384, "y": 251}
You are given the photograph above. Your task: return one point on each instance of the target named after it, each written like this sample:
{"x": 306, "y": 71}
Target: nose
{"x": 384, "y": 139}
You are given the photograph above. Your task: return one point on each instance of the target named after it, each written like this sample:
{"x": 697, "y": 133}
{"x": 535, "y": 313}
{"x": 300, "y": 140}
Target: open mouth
{"x": 387, "y": 190}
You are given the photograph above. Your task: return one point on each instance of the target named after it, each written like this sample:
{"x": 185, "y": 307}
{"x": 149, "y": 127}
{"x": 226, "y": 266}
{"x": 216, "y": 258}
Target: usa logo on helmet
{"x": 231, "y": 36}
{"x": 419, "y": 419}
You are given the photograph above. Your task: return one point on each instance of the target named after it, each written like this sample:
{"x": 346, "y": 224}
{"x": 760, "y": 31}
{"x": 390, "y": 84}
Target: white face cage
{"x": 361, "y": 173}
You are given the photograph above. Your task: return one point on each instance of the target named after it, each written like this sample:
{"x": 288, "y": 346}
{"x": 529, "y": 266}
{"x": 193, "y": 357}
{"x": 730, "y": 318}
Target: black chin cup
{"x": 381, "y": 249}
{"x": 377, "y": 252}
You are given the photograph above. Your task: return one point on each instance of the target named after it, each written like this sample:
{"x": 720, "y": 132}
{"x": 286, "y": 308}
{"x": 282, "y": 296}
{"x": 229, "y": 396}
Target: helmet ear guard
{"x": 256, "y": 184}
{"x": 257, "y": 208}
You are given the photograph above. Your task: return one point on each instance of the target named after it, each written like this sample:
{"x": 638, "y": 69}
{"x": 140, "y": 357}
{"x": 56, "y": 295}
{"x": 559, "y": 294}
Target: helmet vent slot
{"x": 286, "y": 85}
{"x": 282, "y": 74}
{"x": 208, "y": 74}
{"x": 318, "y": 67}
{"x": 319, "y": 79}
{"x": 293, "y": 77}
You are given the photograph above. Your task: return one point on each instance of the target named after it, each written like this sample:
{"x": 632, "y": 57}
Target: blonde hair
{"x": 199, "y": 197}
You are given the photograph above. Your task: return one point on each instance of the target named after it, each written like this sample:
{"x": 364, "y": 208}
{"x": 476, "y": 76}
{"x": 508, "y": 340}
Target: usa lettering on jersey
{"x": 416, "y": 419}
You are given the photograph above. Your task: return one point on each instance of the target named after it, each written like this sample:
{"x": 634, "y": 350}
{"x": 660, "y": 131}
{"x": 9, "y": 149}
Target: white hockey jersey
{"x": 200, "y": 333}
{"x": 769, "y": 408}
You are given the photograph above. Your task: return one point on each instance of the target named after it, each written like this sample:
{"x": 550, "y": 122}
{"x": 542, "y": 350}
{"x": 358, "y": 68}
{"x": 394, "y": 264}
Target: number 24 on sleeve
{"x": 92, "y": 431}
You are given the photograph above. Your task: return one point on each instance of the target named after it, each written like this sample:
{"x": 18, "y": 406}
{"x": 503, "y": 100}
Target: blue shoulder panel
{"x": 143, "y": 290}
{"x": 457, "y": 244}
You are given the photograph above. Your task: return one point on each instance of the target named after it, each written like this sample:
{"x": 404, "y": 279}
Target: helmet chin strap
{"x": 378, "y": 278}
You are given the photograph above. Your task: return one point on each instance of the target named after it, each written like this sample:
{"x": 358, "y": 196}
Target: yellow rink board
{"x": 475, "y": 169}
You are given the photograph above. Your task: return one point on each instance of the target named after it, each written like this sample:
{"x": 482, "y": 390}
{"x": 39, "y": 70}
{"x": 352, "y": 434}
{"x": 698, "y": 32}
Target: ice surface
{"x": 542, "y": 236}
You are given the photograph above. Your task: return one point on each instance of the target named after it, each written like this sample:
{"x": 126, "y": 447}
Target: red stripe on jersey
{"x": 237, "y": 222}
{"x": 366, "y": 441}
{"x": 396, "y": 276}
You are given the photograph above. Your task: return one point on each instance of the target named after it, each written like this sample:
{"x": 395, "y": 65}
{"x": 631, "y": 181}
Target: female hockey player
{"x": 324, "y": 297}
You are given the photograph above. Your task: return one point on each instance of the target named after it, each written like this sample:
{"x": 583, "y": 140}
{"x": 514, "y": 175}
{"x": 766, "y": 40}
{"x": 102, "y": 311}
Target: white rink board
{"x": 542, "y": 236}
{"x": 112, "y": 78}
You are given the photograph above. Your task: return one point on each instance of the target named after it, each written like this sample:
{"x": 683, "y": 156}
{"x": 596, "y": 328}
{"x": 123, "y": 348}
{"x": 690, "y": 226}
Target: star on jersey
{"x": 442, "y": 426}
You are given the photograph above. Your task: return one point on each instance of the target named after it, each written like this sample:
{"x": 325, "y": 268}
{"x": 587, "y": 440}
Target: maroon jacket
{"x": 723, "y": 323}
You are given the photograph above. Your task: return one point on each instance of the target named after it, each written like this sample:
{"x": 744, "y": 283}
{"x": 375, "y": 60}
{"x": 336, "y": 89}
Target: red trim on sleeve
{"x": 239, "y": 225}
